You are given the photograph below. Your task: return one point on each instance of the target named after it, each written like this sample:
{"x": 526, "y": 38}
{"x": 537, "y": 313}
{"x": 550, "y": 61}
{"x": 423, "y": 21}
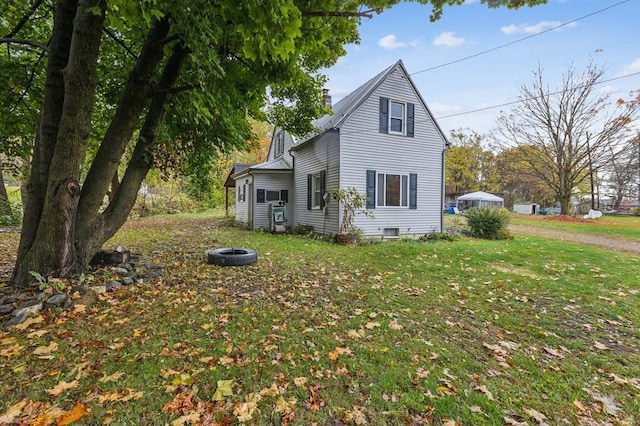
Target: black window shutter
{"x": 413, "y": 191}
{"x": 371, "y": 189}
{"x": 411, "y": 108}
{"x": 284, "y": 195}
{"x": 323, "y": 187}
{"x": 260, "y": 195}
{"x": 309, "y": 189}
{"x": 384, "y": 115}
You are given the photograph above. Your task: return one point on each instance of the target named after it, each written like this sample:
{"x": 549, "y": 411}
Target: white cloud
{"x": 607, "y": 90}
{"x": 443, "y": 109}
{"x": 631, "y": 68}
{"x": 390, "y": 42}
{"x": 535, "y": 28}
{"x": 448, "y": 39}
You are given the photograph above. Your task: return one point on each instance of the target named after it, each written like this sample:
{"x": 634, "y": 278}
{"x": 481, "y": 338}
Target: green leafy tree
{"x": 131, "y": 84}
{"x": 469, "y": 166}
{"x": 518, "y": 180}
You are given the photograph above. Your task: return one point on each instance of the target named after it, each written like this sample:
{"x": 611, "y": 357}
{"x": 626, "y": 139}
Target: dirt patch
{"x": 611, "y": 243}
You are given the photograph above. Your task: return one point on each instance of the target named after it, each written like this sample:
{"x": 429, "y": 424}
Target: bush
{"x": 10, "y": 213}
{"x": 438, "y": 236}
{"x": 488, "y": 223}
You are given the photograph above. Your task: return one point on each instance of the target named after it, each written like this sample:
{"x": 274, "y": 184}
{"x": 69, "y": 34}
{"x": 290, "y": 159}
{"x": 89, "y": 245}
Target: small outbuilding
{"x": 526, "y": 208}
{"x": 479, "y": 199}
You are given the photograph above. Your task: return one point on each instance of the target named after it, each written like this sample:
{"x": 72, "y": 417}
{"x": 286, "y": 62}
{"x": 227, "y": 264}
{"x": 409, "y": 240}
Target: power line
{"x": 484, "y": 52}
{"x": 374, "y": 130}
{"x": 527, "y": 99}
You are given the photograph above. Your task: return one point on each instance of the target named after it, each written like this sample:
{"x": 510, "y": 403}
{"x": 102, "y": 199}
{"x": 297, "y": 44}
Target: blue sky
{"x": 609, "y": 38}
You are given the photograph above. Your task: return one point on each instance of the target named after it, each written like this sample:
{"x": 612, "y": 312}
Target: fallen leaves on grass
{"x": 536, "y": 415}
{"x": 14, "y": 411}
{"x": 244, "y": 410}
{"x": 29, "y": 322}
{"x": 112, "y": 377}
{"x": 356, "y": 416}
{"x": 13, "y": 350}
{"x": 608, "y": 403}
{"x": 223, "y": 389}
{"x": 191, "y": 418}
{"x": 46, "y": 350}
{"x": 78, "y": 412}
{"x": 120, "y": 396}
{"x": 61, "y": 387}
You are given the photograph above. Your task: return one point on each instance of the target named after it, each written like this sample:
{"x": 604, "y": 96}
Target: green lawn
{"x": 458, "y": 333}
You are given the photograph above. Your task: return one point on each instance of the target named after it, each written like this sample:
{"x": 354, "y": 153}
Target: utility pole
{"x": 593, "y": 195}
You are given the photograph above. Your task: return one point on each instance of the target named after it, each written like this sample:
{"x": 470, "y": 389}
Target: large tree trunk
{"x": 103, "y": 171}
{"x": 51, "y": 249}
{"x": 105, "y": 225}
{"x": 34, "y": 191}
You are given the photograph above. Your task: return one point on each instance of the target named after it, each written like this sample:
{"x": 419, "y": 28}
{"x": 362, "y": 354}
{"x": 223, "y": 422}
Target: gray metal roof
{"x": 277, "y": 164}
{"x": 235, "y": 168}
{"x": 346, "y": 106}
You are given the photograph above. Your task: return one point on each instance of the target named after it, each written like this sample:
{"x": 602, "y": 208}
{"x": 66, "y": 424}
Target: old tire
{"x": 230, "y": 256}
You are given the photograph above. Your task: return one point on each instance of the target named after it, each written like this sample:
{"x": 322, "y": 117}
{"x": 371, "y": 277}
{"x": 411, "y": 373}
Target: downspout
{"x": 293, "y": 185}
{"x": 447, "y": 145}
{"x": 252, "y": 207}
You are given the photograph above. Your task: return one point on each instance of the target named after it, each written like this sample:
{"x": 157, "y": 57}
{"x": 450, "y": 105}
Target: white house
{"x": 381, "y": 139}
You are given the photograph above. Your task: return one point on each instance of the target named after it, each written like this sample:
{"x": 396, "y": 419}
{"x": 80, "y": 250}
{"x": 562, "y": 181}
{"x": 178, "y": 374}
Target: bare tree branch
{"x": 6, "y": 40}
{"x": 571, "y": 133}
{"x": 363, "y": 14}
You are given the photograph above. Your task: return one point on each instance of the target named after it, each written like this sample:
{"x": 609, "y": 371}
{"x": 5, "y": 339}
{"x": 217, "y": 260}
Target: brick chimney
{"x": 326, "y": 98}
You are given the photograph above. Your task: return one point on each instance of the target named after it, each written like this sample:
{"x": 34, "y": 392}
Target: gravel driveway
{"x": 617, "y": 244}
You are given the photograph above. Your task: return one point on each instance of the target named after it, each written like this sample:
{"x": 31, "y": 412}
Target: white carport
{"x": 478, "y": 199}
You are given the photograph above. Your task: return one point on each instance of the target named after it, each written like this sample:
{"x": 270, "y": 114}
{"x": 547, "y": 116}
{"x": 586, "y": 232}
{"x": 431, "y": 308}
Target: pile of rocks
{"x": 17, "y": 303}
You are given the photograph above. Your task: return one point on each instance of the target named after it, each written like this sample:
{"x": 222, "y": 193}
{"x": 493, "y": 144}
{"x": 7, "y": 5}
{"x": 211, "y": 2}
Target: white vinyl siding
{"x": 242, "y": 204}
{"x": 281, "y": 141}
{"x": 276, "y": 183}
{"x": 322, "y": 154}
{"x": 364, "y": 148}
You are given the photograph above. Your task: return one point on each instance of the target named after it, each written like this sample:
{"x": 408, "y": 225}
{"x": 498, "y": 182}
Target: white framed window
{"x": 397, "y": 117}
{"x": 279, "y": 144}
{"x": 392, "y": 190}
{"x": 316, "y": 191}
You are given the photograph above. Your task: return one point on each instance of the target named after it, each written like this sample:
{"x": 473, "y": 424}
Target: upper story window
{"x": 397, "y": 117}
{"x": 279, "y": 144}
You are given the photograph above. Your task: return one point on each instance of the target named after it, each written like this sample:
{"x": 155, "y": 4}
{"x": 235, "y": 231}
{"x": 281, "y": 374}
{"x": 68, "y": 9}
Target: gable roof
{"x": 277, "y": 165}
{"x": 350, "y": 103}
{"x": 235, "y": 168}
